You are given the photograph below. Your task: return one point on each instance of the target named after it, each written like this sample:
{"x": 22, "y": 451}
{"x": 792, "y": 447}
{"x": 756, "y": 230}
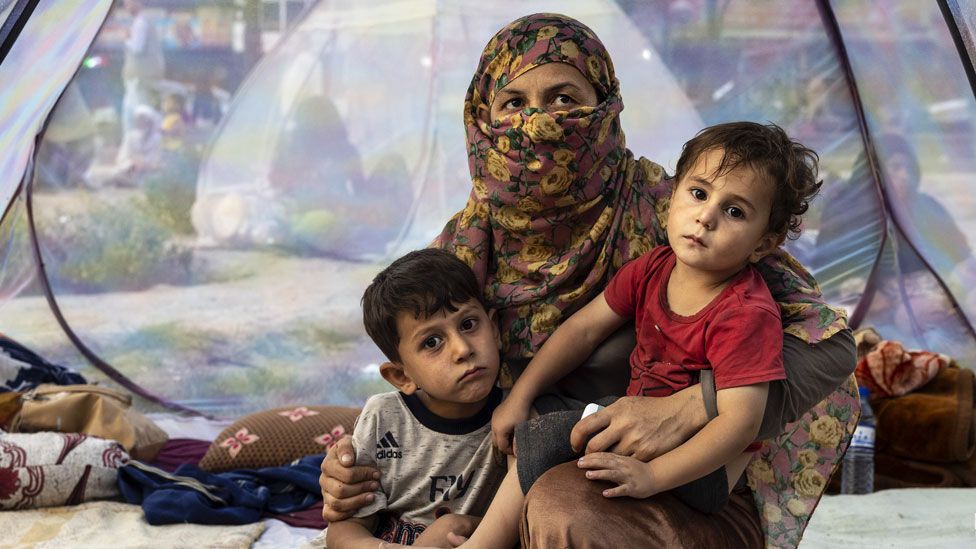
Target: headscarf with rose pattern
{"x": 558, "y": 202}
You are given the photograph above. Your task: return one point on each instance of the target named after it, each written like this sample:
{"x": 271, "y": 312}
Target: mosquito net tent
{"x": 203, "y": 234}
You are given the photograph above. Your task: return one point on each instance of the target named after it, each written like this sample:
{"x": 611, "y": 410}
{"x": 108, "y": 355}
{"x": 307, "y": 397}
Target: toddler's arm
{"x": 565, "y": 349}
{"x": 720, "y": 442}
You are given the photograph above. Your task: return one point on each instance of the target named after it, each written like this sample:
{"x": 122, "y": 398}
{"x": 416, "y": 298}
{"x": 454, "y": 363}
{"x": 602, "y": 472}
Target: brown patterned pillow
{"x": 277, "y": 437}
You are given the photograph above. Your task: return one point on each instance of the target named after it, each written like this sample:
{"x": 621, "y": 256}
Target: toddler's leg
{"x": 542, "y": 443}
{"x": 707, "y": 494}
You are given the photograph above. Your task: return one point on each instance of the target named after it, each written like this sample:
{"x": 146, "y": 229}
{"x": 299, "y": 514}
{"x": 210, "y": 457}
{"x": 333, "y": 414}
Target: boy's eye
{"x": 468, "y": 324}
{"x": 432, "y": 342}
{"x": 735, "y": 212}
{"x": 699, "y": 194}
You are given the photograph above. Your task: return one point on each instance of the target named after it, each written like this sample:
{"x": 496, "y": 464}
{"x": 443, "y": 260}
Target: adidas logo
{"x": 388, "y": 447}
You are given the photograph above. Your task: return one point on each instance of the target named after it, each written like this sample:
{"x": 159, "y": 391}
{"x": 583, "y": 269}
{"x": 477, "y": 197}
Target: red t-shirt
{"x": 739, "y": 334}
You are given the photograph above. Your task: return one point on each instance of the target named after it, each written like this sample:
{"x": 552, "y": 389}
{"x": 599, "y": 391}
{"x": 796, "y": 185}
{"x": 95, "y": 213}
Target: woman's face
{"x": 550, "y": 87}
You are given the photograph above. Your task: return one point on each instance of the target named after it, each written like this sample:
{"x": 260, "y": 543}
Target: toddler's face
{"x": 719, "y": 222}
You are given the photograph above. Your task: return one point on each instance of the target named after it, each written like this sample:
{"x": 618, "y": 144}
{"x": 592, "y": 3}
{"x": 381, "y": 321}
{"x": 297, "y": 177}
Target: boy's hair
{"x": 422, "y": 283}
{"x": 773, "y": 156}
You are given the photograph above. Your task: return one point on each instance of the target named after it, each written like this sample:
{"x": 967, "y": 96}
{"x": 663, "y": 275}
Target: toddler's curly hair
{"x": 773, "y": 156}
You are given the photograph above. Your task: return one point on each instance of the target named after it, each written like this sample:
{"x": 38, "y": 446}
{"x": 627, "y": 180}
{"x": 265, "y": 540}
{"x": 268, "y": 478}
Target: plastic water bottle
{"x": 857, "y": 475}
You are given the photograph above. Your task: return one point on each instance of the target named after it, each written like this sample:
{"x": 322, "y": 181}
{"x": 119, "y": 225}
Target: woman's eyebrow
{"x": 564, "y": 85}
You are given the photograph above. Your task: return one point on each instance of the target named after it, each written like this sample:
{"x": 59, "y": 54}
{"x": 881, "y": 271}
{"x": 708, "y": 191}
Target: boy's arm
{"x": 354, "y": 533}
{"x": 720, "y": 442}
{"x": 566, "y": 348}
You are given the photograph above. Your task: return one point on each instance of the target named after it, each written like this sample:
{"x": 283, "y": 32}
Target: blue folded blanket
{"x": 233, "y": 497}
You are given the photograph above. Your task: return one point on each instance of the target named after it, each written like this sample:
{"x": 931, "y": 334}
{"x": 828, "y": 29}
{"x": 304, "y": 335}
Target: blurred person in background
{"x": 144, "y": 65}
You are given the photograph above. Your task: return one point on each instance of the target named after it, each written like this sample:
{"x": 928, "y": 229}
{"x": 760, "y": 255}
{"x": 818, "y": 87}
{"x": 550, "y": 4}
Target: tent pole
{"x": 15, "y": 23}
{"x": 833, "y": 31}
{"x": 861, "y": 309}
{"x": 109, "y": 370}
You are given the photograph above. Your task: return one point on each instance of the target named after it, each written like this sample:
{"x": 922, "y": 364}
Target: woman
{"x": 558, "y": 205}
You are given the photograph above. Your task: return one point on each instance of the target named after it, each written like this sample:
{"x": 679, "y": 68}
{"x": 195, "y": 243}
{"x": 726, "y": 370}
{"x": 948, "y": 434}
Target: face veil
{"x": 557, "y": 203}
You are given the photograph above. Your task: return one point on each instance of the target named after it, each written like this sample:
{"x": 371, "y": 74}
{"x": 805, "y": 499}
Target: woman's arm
{"x": 717, "y": 444}
{"x": 647, "y": 428}
{"x": 813, "y": 371}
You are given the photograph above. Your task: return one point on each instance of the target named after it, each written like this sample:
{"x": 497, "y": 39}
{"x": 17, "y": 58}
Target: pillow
{"x": 48, "y": 469}
{"x": 273, "y": 438}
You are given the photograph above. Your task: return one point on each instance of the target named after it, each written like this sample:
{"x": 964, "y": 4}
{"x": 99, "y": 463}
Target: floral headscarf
{"x": 558, "y": 203}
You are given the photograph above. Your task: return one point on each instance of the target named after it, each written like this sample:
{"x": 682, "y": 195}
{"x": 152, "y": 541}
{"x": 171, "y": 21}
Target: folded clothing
{"x": 890, "y": 370}
{"x": 233, "y": 497}
{"x": 935, "y": 423}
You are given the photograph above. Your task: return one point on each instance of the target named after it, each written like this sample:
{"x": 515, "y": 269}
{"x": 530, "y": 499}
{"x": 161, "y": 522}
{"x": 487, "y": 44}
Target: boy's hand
{"x": 345, "y": 488}
{"x": 633, "y": 478}
{"x": 506, "y": 416}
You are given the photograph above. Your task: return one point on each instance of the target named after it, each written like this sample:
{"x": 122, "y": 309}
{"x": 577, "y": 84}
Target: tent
{"x": 190, "y": 281}
{"x": 154, "y": 236}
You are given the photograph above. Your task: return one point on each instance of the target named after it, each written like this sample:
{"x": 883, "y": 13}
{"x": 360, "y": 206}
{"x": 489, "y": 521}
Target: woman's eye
{"x": 735, "y": 212}
{"x": 699, "y": 194}
{"x": 468, "y": 324}
{"x": 563, "y": 100}
{"x": 432, "y": 342}
{"x": 513, "y": 104}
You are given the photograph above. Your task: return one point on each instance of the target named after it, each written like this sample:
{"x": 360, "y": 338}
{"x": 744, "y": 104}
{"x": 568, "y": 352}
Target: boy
{"x": 698, "y": 304}
{"x": 431, "y": 440}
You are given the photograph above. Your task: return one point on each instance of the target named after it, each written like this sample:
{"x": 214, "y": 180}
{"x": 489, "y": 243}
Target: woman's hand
{"x": 506, "y": 416}
{"x": 642, "y": 427}
{"x": 345, "y": 488}
{"x": 633, "y": 478}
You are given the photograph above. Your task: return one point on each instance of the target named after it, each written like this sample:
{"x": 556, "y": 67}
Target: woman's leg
{"x": 564, "y": 509}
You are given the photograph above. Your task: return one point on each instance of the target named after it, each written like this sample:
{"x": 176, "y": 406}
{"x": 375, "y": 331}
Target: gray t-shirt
{"x": 428, "y": 465}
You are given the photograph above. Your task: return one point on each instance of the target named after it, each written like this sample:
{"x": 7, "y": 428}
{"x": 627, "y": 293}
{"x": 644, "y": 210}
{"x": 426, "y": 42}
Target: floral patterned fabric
{"x": 790, "y": 473}
{"x": 558, "y": 204}
{"x": 45, "y": 469}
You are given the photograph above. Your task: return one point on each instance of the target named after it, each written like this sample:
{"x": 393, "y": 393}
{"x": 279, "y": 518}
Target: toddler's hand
{"x": 507, "y": 415}
{"x": 633, "y": 478}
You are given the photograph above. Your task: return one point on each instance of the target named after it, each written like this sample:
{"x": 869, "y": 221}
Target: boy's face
{"x": 719, "y": 223}
{"x": 450, "y": 358}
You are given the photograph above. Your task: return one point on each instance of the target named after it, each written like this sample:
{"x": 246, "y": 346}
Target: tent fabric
{"x": 229, "y": 279}
{"x": 34, "y": 74}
